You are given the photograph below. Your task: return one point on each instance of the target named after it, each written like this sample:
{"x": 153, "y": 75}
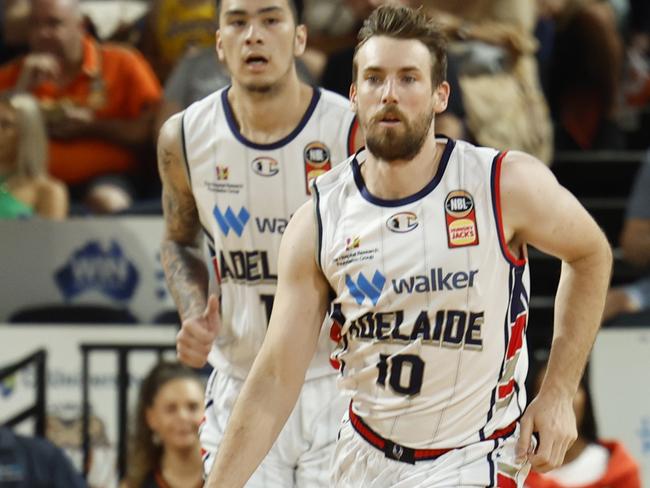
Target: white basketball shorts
{"x": 490, "y": 463}
{"x": 302, "y": 454}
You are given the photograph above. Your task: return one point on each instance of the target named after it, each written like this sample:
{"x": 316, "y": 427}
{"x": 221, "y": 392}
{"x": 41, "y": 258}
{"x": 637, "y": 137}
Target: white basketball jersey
{"x": 431, "y": 307}
{"x": 245, "y": 195}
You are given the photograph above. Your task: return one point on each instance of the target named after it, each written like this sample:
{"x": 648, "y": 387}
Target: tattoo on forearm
{"x": 187, "y": 277}
{"x": 185, "y": 269}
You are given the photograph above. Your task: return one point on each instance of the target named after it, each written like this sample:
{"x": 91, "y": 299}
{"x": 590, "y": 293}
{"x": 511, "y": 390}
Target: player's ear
{"x": 353, "y": 96}
{"x": 219, "y": 46}
{"x": 441, "y": 97}
{"x": 300, "y": 40}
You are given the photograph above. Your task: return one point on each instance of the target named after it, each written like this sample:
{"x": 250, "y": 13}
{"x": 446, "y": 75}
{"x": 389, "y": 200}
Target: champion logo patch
{"x": 460, "y": 219}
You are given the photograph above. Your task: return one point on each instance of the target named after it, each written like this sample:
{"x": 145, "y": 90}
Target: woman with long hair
{"x": 25, "y": 187}
{"x": 165, "y": 451}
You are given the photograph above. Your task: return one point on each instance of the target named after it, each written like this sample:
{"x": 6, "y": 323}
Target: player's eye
{"x": 271, "y": 20}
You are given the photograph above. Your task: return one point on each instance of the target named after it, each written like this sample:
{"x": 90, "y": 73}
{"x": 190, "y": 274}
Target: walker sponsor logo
{"x": 228, "y": 220}
{"x": 271, "y": 225}
{"x": 363, "y": 288}
{"x": 436, "y": 280}
{"x": 108, "y": 271}
{"x": 402, "y": 222}
{"x": 265, "y": 166}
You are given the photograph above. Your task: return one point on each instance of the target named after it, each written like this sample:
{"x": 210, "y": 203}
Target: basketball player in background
{"x": 423, "y": 242}
{"x": 235, "y": 166}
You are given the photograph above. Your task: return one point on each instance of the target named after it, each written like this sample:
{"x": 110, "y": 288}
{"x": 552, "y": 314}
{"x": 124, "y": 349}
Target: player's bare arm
{"x": 185, "y": 269}
{"x": 273, "y": 385}
{"x": 538, "y": 211}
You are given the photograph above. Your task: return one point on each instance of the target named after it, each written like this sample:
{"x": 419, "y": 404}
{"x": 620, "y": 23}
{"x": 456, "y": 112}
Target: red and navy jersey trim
{"x": 352, "y": 135}
{"x": 495, "y": 182}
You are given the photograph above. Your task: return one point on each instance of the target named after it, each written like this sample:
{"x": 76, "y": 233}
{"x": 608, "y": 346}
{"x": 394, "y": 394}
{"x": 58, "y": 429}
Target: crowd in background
{"x": 536, "y": 75}
{"x": 80, "y": 113}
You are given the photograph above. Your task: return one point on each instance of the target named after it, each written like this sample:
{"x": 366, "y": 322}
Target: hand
{"x": 553, "y": 418}
{"x": 68, "y": 121}
{"x": 38, "y": 68}
{"x": 194, "y": 340}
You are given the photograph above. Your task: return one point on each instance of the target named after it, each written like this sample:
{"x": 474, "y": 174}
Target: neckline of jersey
{"x": 234, "y": 128}
{"x": 428, "y": 188}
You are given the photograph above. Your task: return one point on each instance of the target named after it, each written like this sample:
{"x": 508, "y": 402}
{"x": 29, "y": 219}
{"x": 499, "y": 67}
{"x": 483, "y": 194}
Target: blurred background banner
{"x": 64, "y": 385}
{"x": 109, "y": 262}
{"x": 620, "y": 369}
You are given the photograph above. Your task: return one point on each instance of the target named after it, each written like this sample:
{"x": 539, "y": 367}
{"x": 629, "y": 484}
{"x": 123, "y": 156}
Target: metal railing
{"x": 122, "y": 351}
{"x": 38, "y": 409}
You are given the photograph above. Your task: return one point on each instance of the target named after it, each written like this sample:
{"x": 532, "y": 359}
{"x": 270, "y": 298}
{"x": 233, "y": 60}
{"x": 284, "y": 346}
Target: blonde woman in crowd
{"x": 25, "y": 187}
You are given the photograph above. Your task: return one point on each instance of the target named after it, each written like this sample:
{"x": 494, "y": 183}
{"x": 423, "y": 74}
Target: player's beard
{"x": 400, "y": 143}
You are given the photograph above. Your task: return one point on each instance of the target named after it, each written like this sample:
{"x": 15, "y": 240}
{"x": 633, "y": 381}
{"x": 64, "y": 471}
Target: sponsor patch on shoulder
{"x": 460, "y": 217}
{"x": 317, "y": 161}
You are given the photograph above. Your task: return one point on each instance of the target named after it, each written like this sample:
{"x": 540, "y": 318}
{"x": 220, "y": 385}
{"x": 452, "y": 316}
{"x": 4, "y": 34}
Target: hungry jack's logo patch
{"x": 460, "y": 218}
{"x": 317, "y": 161}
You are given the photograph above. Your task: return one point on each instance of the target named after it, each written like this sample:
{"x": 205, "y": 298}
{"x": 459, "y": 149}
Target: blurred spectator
{"x": 98, "y": 101}
{"x": 494, "y": 47}
{"x": 169, "y": 29}
{"x": 27, "y": 462}
{"x": 636, "y": 82}
{"x": 585, "y": 73}
{"x": 635, "y": 242}
{"x": 165, "y": 448}
{"x": 14, "y": 15}
{"x": 590, "y": 462}
{"x": 25, "y": 187}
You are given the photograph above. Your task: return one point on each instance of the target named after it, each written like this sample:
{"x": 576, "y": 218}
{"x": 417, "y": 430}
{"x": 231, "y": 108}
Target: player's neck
{"x": 400, "y": 179}
{"x": 265, "y": 118}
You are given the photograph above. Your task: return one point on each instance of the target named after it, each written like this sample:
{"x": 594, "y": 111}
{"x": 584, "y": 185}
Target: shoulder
{"x": 334, "y": 103}
{"x": 170, "y": 142}
{"x": 201, "y": 109}
{"x": 520, "y": 172}
{"x": 334, "y": 100}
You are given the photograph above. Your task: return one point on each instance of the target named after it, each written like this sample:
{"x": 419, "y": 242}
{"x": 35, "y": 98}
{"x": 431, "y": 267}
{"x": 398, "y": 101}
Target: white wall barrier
{"x": 64, "y": 385}
{"x": 620, "y": 369}
{"x": 99, "y": 261}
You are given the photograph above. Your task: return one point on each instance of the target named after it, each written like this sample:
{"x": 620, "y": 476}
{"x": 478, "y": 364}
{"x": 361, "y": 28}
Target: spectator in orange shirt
{"x": 98, "y": 102}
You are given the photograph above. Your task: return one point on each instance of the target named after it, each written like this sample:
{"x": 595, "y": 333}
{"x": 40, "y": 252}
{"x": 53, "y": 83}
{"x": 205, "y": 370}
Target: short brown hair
{"x": 296, "y": 10}
{"x": 401, "y": 22}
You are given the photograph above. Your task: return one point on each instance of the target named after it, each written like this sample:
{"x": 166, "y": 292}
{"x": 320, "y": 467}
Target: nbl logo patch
{"x": 317, "y": 161}
{"x": 460, "y": 219}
